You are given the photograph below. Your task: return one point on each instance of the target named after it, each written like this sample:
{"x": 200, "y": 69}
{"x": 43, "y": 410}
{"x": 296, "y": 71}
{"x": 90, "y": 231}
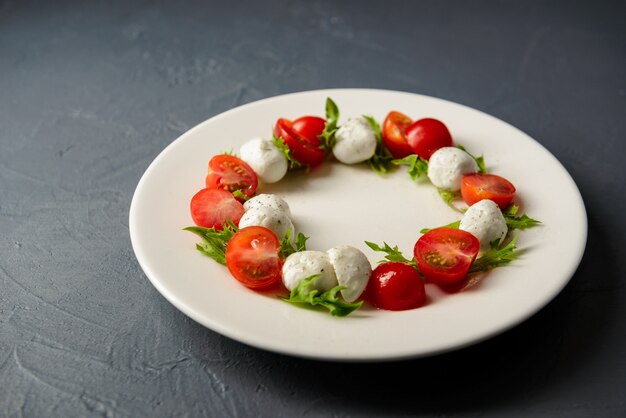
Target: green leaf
{"x": 448, "y": 197}
{"x": 287, "y": 247}
{"x": 293, "y": 163}
{"x": 418, "y": 167}
{"x": 302, "y": 294}
{"x": 518, "y": 222}
{"x": 393, "y": 253}
{"x": 328, "y": 134}
{"x": 240, "y": 195}
{"x": 214, "y": 242}
{"x": 496, "y": 257}
{"x": 480, "y": 160}
{"x": 454, "y": 225}
{"x": 381, "y": 160}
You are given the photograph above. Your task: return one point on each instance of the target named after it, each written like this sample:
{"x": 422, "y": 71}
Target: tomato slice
{"x": 230, "y": 173}
{"x": 253, "y": 257}
{"x": 478, "y": 186}
{"x": 426, "y": 136}
{"x": 310, "y": 127}
{"x": 396, "y": 287}
{"x": 394, "y": 127}
{"x": 444, "y": 255}
{"x": 306, "y": 150}
{"x": 212, "y": 208}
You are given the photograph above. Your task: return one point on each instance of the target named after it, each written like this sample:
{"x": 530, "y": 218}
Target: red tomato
{"x": 310, "y": 127}
{"x": 444, "y": 255}
{"x": 213, "y": 207}
{"x": 476, "y": 187}
{"x": 426, "y": 136}
{"x": 253, "y": 257}
{"x": 306, "y": 150}
{"x": 394, "y": 128}
{"x": 230, "y": 173}
{"x": 396, "y": 287}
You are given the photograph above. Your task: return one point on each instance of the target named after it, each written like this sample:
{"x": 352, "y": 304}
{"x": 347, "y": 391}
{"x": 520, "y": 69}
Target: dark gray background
{"x": 91, "y": 92}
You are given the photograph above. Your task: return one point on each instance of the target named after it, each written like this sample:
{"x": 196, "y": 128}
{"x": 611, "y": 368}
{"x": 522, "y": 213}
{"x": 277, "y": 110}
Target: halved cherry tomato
{"x": 310, "y": 127}
{"x": 230, "y": 173}
{"x": 306, "y": 150}
{"x": 477, "y": 186}
{"x": 394, "y": 128}
{"x": 396, "y": 287}
{"x": 444, "y": 255}
{"x": 213, "y": 207}
{"x": 253, "y": 257}
{"x": 426, "y": 136}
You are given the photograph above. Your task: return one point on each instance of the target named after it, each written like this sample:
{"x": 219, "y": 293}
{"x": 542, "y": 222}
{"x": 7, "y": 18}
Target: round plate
{"x": 337, "y": 204}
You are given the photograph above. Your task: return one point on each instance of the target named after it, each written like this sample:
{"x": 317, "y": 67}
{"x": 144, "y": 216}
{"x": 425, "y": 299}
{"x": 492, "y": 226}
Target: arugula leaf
{"x": 381, "y": 160}
{"x": 518, "y": 222}
{"x": 240, "y": 195}
{"x": 231, "y": 153}
{"x": 214, "y": 242}
{"x": 304, "y": 295}
{"x": 454, "y": 225}
{"x": 328, "y": 134}
{"x": 293, "y": 163}
{"x": 480, "y": 160}
{"x": 393, "y": 253}
{"x": 496, "y": 257}
{"x": 418, "y": 166}
{"x": 287, "y": 247}
{"x": 448, "y": 197}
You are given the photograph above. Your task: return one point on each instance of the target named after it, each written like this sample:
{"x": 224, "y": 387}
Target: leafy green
{"x": 496, "y": 257}
{"x": 332, "y": 117}
{"x": 454, "y": 225}
{"x": 518, "y": 222}
{"x": 381, "y": 160}
{"x": 213, "y": 241}
{"x": 240, "y": 195}
{"x": 393, "y": 253}
{"x": 293, "y": 163}
{"x": 418, "y": 166}
{"x": 302, "y": 294}
{"x": 287, "y": 247}
{"x": 480, "y": 160}
{"x": 448, "y": 197}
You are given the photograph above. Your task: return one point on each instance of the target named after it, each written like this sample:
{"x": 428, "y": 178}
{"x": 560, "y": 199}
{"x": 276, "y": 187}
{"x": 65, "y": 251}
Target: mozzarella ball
{"x": 352, "y": 268}
{"x": 267, "y": 161}
{"x": 485, "y": 221}
{"x": 272, "y": 219}
{"x": 355, "y": 142}
{"x": 270, "y": 201}
{"x": 447, "y": 165}
{"x": 304, "y": 264}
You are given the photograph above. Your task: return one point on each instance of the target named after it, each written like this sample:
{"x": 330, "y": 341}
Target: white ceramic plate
{"x": 338, "y": 204}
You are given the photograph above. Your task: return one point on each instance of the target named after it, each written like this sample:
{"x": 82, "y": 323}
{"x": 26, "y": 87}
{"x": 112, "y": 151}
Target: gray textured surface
{"x": 91, "y": 93}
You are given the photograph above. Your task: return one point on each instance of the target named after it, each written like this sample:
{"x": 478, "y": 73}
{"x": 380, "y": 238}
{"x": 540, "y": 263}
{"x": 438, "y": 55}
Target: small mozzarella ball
{"x": 303, "y": 264}
{"x": 267, "y": 161}
{"x": 270, "y": 201}
{"x": 355, "y": 142}
{"x": 352, "y": 268}
{"x": 447, "y": 165}
{"x": 272, "y": 219}
{"x": 485, "y": 221}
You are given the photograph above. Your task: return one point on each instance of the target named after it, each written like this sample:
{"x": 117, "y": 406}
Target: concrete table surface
{"x": 91, "y": 92}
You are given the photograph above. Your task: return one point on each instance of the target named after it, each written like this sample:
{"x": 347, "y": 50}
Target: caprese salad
{"x": 255, "y": 237}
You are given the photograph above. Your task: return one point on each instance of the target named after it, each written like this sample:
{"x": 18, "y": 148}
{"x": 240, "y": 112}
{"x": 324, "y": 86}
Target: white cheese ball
{"x": 447, "y": 165}
{"x": 352, "y": 268}
{"x": 267, "y": 161}
{"x": 270, "y": 201}
{"x": 304, "y": 264}
{"x": 355, "y": 142}
{"x": 272, "y": 219}
{"x": 485, "y": 221}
